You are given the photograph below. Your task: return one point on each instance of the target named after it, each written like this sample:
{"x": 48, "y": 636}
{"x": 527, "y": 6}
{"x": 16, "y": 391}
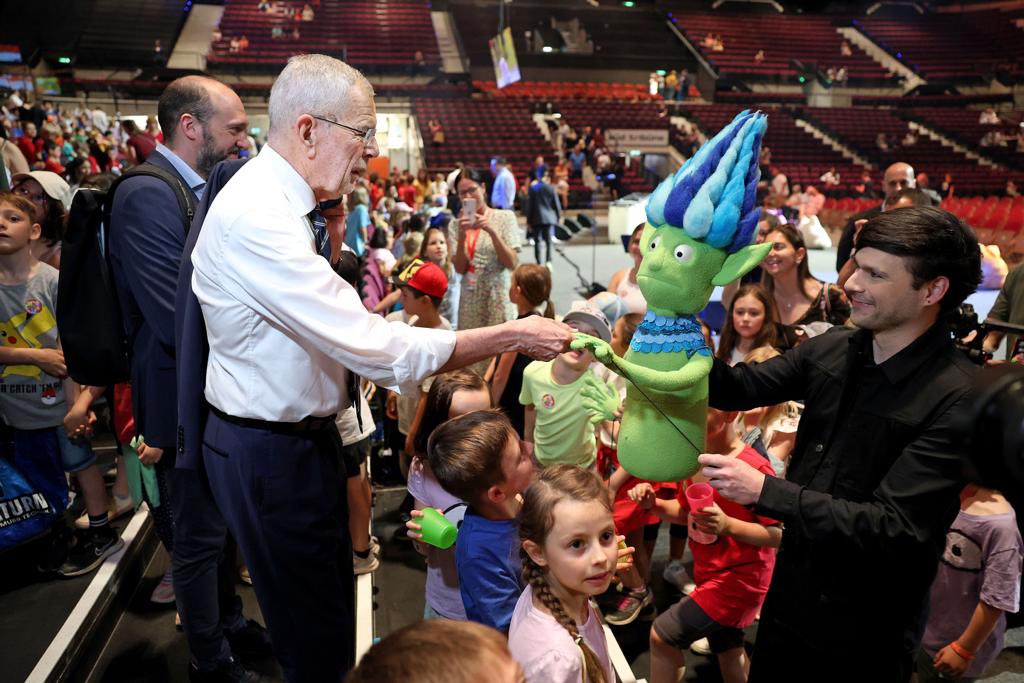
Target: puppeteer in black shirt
{"x": 872, "y": 487}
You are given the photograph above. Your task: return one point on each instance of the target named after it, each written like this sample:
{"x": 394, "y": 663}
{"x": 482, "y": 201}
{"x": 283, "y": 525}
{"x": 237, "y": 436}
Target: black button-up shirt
{"x": 873, "y": 484}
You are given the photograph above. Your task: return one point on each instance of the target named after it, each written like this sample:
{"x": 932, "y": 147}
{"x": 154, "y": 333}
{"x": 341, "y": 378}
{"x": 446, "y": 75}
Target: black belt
{"x": 303, "y": 426}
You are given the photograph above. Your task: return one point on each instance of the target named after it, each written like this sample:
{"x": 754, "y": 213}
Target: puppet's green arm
{"x": 696, "y": 369}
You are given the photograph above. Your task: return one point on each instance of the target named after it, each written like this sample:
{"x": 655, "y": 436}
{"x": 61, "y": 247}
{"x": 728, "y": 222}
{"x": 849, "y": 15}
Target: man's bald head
{"x": 899, "y": 176}
{"x": 199, "y": 96}
{"x": 203, "y": 121}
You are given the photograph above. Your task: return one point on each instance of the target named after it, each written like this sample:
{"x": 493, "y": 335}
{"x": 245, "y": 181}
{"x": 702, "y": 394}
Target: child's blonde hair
{"x": 552, "y": 486}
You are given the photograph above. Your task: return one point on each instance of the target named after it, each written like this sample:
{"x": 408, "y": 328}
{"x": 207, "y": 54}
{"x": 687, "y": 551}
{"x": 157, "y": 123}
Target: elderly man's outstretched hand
{"x": 542, "y": 338}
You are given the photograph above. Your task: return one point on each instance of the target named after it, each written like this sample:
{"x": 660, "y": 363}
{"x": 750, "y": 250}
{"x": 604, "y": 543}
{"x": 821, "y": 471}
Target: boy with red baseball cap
{"x": 422, "y": 286}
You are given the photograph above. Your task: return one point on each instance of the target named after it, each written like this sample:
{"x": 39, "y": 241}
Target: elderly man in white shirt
{"x": 283, "y": 332}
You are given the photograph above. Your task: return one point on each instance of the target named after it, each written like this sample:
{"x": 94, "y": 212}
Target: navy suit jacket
{"x": 147, "y": 236}
{"x": 193, "y": 348}
{"x": 545, "y": 209}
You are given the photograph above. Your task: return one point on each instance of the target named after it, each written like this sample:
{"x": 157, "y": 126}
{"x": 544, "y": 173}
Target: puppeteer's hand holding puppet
{"x": 700, "y": 225}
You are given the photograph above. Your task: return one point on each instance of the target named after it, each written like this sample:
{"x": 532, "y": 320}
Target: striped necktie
{"x": 320, "y": 236}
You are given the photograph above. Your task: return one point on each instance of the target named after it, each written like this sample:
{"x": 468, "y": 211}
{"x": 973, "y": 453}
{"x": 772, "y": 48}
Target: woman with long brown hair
{"x": 799, "y": 297}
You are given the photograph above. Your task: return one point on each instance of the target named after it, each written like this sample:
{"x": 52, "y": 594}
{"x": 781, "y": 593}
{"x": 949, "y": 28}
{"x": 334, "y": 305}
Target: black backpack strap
{"x": 186, "y": 198}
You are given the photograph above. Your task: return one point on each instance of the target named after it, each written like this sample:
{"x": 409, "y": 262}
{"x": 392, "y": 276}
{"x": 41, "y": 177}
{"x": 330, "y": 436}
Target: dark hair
{"x": 468, "y": 173}
{"x": 379, "y": 239}
{"x": 915, "y": 196}
{"x": 186, "y": 95}
{"x": 347, "y": 267}
{"x": 99, "y": 181}
{"x": 439, "y": 403}
{"x": 414, "y": 224}
{"x": 465, "y": 453}
{"x": 20, "y": 204}
{"x": 770, "y": 218}
{"x": 630, "y": 322}
{"x": 934, "y": 243}
{"x": 435, "y": 651}
{"x": 803, "y": 271}
{"x": 52, "y": 220}
{"x": 535, "y": 283}
{"x": 767, "y": 335}
{"x": 417, "y": 293}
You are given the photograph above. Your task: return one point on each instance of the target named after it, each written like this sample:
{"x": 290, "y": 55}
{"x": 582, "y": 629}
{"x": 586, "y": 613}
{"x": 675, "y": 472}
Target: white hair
{"x": 312, "y": 84}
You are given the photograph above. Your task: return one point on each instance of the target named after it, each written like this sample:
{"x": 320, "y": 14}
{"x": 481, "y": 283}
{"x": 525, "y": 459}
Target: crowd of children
{"x": 555, "y": 539}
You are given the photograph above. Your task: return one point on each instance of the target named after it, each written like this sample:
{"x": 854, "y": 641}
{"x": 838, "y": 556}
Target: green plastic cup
{"x": 436, "y": 529}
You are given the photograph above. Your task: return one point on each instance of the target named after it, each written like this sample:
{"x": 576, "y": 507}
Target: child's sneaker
{"x": 119, "y": 506}
{"x": 675, "y": 574}
{"x": 629, "y": 607}
{"x": 54, "y": 551}
{"x": 701, "y": 647}
{"x": 93, "y": 547}
{"x": 365, "y": 565}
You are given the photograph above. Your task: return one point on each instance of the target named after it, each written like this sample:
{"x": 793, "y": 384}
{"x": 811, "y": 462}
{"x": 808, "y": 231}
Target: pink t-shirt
{"x": 442, "y": 591}
{"x": 545, "y": 649}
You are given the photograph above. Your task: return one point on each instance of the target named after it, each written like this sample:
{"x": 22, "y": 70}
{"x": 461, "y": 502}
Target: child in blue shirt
{"x": 478, "y": 458}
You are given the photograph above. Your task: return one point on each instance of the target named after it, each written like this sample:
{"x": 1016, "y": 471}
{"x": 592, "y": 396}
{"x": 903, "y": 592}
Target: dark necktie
{"x": 323, "y": 247}
{"x": 320, "y": 236}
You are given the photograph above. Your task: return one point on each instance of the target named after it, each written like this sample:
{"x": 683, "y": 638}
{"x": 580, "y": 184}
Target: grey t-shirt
{"x": 982, "y": 562}
{"x": 30, "y": 398}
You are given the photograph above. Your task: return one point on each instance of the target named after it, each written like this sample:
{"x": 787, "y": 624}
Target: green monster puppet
{"x": 700, "y": 225}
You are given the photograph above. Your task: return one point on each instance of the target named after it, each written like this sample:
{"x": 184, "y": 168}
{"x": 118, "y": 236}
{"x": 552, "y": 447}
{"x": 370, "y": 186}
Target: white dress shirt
{"x": 282, "y": 325}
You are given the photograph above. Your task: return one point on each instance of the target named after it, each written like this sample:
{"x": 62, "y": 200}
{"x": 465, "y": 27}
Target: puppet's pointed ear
{"x": 740, "y": 263}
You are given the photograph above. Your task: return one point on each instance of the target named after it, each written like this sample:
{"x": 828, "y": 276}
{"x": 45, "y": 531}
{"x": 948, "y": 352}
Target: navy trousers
{"x": 203, "y": 564}
{"x": 283, "y": 496}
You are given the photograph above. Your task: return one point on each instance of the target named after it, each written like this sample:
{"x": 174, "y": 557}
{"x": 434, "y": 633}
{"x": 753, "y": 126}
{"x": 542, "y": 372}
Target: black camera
{"x": 965, "y": 321}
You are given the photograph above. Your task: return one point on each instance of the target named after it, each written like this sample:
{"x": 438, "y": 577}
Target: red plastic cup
{"x": 700, "y": 496}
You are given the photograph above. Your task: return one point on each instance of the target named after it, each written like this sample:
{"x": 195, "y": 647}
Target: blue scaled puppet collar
{"x": 665, "y": 334}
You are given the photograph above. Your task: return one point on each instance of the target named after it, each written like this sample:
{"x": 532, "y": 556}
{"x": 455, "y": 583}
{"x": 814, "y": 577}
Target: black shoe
{"x": 250, "y": 641}
{"x": 94, "y": 546}
{"x": 401, "y": 533}
{"x": 54, "y": 551}
{"x": 226, "y": 672}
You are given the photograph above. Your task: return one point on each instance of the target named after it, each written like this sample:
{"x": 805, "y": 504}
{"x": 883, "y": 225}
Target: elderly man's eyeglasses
{"x": 367, "y": 135}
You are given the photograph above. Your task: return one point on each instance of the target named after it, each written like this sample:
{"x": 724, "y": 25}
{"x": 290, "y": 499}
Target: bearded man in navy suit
{"x": 204, "y": 122}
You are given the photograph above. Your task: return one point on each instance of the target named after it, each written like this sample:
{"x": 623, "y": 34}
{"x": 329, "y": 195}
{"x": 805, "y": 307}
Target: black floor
{"x": 33, "y": 607}
{"x": 145, "y": 647}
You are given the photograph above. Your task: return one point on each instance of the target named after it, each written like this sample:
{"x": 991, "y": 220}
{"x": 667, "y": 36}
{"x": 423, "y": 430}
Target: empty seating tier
{"x": 813, "y": 40}
{"x": 951, "y": 47}
{"x": 370, "y": 34}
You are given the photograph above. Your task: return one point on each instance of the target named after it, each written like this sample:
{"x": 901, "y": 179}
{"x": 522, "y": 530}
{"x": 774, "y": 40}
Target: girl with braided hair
{"x": 569, "y": 553}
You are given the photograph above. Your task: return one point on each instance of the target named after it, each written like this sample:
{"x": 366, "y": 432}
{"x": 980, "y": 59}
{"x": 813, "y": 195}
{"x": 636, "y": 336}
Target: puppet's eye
{"x": 654, "y": 244}
{"x": 684, "y": 253}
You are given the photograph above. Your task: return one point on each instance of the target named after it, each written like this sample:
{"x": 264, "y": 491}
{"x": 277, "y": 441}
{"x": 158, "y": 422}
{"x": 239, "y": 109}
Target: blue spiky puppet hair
{"x": 713, "y": 196}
